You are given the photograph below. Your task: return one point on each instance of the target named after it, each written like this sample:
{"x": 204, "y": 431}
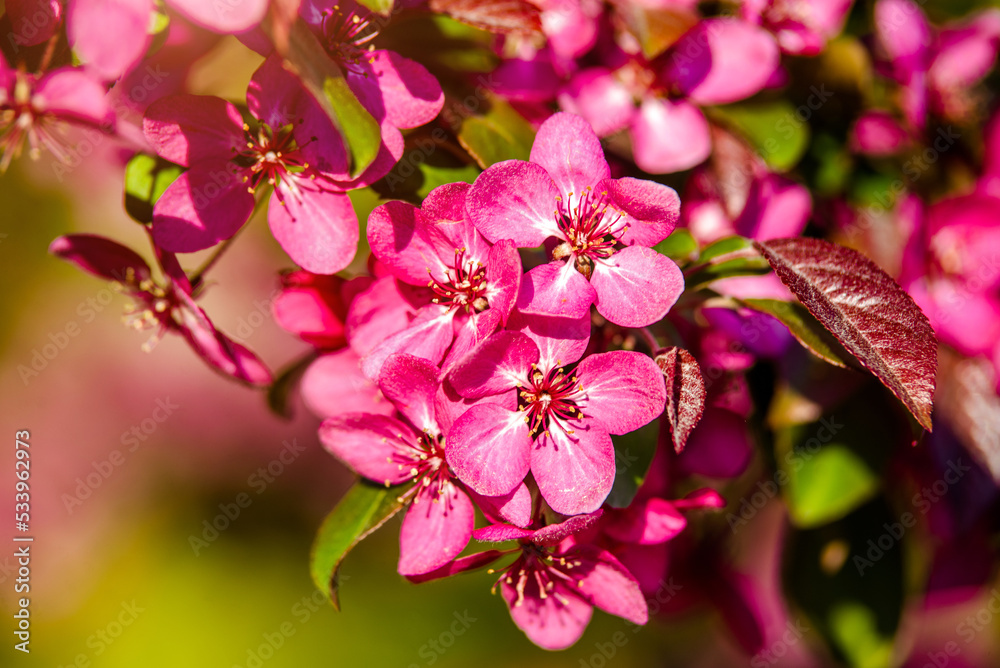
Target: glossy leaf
{"x": 383, "y": 7}
{"x": 496, "y": 16}
{"x": 146, "y": 177}
{"x": 680, "y": 246}
{"x": 633, "y": 455}
{"x": 685, "y": 393}
{"x": 804, "y": 327}
{"x": 361, "y": 511}
{"x": 320, "y": 75}
{"x": 741, "y": 266}
{"x": 499, "y": 134}
{"x": 867, "y": 311}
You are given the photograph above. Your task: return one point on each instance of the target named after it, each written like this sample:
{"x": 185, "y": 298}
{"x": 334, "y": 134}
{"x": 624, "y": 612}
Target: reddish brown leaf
{"x": 685, "y": 393}
{"x": 497, "y": 16}
{"x": 867, "y": 311}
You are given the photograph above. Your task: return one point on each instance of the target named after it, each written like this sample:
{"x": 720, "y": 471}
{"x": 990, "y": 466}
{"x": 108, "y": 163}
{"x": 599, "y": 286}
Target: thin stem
{"x": 50, "y": 49}
{"x": 649, "y": 338}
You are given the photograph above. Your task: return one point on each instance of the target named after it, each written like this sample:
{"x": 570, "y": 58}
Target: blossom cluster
{"x": 489, "y": 347}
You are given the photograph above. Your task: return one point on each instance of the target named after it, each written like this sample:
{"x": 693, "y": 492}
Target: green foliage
{"x": 146, "y": 177}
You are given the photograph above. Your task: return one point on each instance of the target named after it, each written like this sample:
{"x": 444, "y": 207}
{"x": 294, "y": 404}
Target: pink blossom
{"x": 802, "y": 27}
{"x": 35, "y": 109}
{"x": 561, "y": 429}
{"x": 719, "y": 61}
{"x": 474, "y": 282}
{"x": 603, "y": 227}
{"x": 393, "y": 451}
{"x": 294, "y": 148}
{"x": 166, "y": 307}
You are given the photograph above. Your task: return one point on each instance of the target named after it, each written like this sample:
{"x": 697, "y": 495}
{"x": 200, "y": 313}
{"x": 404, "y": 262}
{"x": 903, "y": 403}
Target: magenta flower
{"x": 802, "y": 27}
{"x": 603, "y": 227}
{"x": 111, "y": 37}
{"x": 168, "y": 307}
{"x": 560, "y": 430}
{"x": 393, "y": 451}
{"x": 36, "y": 109}
{"x": 474, "y": 283}
{"x": 719, "y": 61}
{"x": 553, "y": 586}
{"x": 396, "y": 91}
{"x": 294, "y": 148}
{"x": 935, "y": 69}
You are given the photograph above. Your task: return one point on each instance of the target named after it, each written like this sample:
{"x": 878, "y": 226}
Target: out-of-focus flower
{"x": 802, "y": 27}
{"x": 165, "y": 307}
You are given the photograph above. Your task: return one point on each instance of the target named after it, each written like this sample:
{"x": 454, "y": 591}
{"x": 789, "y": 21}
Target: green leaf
{"x": 499, "y": 133}
{"x": 806, "y": 328}
{"x": 774, "y": 128}
{"x": 725, "y": 246}
{"x": 834, "y": 465}
{"x": 680, "y": 246}
{"x": 847, "y": 578}
{"x": 633, "y": 455}
{"x": 743, "y": 266}
{"x": 361, "y": 511}
{"x": 383, "y": 7}
{"x": 320, "y": 75}
{"x": 146, "y": 177}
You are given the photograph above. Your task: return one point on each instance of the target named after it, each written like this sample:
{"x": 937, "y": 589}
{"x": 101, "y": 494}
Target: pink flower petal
{"x": 669, "y": 136}
{"x": 513, "y": 507}
{"x": 436, "y": 529}
{"x": 625, "y": 389}
{"x": 570, "y": 152}
{"x": 525, "y": 80}
{"x": 188, "y": 129}
{"x": 777, "y": 207}
{"x": 556, "y": 289}
{"x": 333, "y": 385}
{"x": 367, "y": 443}
{"x": 497, "y": 365}
{"x": 636, "y": 286}
{"x": 409, "y": 244}
{"x": 650, "y": 209}
{"x": 554, "y": 622}
{"x": 553, "y": 534}
{"x": 722, "y": 60}
{"x": 428, "y": 336}
{"x": 230, "y": 16}
{"x": 488, "y": 448}
{"x": 966, "y": 54}
{"x": 575, "y": 471}
{"x": 411, "y": 95}
{"x": 501, "y": 533}
{"x": 719, "y": 447}
{"x": 904, "y": 33}
{"x": 462, "y": 565}
{"x": 878, "y": 134}
{"x": 109, "y": 36}
{"x": 610, "y": 587}
{"x": 100, "y": 256}
{"x": 560, "y": 341}
{"x": 514, "y": 200}
{"x": 597, "y": 96}
{"x": 73, "y": 94}
{"x": 206, "y": 204}
{"x": 378, "y": 312}
{"x": 317, "y": 228}
{"x": 503, "y": 276}
{"x": 649, "y": 523}
{"x": 411, "y": 383}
